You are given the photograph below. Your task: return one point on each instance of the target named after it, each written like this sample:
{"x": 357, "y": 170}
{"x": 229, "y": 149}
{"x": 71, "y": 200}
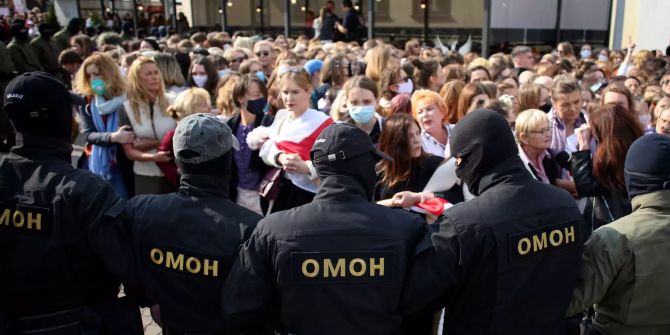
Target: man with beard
{"x": 335, "y": 265}
{"x": 22, "y": 54}
{"x": 506, "y": 261}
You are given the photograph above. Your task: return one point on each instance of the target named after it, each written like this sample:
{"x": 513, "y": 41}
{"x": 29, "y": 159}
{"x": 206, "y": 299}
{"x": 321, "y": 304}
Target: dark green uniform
{"x": 23, "y": 56}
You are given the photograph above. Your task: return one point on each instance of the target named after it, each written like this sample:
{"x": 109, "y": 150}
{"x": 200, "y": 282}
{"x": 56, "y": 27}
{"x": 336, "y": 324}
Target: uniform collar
{"x": 42, "y": 147}
{"x": 509, "y": 169}
{"x": 340, "y": 187}
{"x": 202, "y": 185}
{"x": 657, "y": 199}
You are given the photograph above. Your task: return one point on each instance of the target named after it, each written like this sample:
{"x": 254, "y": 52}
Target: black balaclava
{"x": 45, "y": 30}
{"x": 74, "y": 25}
{"x": 217, "y": 167}
{"x": 482, "y": 139}
{"x": 361, "y": 168}
{"x": 46, "y": 109}
{"x": 19, "y": 30}
{"x": 647, "y": 167}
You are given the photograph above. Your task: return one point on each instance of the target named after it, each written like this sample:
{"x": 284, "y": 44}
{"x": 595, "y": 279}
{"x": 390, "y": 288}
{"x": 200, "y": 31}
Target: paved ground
{"x": 150, "y": 327}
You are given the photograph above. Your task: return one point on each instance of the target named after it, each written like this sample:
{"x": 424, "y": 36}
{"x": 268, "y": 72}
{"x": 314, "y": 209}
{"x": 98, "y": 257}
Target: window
{"x": 437, "y": 9}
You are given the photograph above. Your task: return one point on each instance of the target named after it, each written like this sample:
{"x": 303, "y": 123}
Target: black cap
{"x": 342, "y": 141}
{"x": 647, "y": 168}
{"x": 37, "y": 103}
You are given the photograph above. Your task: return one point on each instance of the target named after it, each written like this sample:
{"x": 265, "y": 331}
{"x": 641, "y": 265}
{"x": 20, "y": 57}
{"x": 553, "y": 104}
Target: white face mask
{"x": 407, "y": 87}
{"x": 200, "y": 81}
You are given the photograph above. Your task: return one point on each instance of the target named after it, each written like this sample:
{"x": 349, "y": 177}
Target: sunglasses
{"x": 238, "y": 59}
{"x": 262, "y": 53}
{"x": 665, "y": 82}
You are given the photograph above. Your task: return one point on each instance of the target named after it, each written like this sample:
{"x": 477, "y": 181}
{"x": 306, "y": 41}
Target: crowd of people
{"x": 571, "y": 117}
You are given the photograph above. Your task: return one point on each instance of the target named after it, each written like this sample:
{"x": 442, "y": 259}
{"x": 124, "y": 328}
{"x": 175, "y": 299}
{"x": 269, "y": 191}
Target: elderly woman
{"x": 533, "y": 135}
{"x": 432, "y": 113}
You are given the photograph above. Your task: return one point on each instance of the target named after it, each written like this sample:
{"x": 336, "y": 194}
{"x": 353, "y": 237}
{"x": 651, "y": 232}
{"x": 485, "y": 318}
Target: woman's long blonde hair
{"x": 139, "y": 96}
{"x": 109, "y": 72}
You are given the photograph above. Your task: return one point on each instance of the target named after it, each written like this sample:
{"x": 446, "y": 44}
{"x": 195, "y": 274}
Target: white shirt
{"x": 432, "y": 146}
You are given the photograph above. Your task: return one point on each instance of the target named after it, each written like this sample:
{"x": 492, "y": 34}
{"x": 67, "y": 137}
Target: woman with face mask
{"x": 361, "y": 99}
{"x": 393, "y": 82}
{"x": 250, "y": 99}
{"x": 203, "y": 74}
{"x": 100, "y": 81}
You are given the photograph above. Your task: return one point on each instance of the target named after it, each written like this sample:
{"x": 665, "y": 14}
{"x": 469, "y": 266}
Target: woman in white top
{"x": 432, "y": 113}
{"x": 146, "y": 113}
{"x": 290, "y": 139}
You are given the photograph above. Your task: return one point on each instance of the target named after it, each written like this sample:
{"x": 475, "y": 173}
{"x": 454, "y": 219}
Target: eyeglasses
{"x": 541, "y": 131}
{"x": 238, "y": 60}
{"x": 262, "y": 53}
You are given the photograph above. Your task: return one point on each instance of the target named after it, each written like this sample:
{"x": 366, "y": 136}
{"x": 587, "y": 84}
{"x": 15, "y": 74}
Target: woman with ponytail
{"x": 428, "y": 74}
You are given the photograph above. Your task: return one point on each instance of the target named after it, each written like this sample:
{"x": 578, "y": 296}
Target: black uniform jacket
{"x": 186, "y": 242}
{"x": 505, "y": 262}
{"x": 61, "y": 244}
{"x": 333, "y": 266}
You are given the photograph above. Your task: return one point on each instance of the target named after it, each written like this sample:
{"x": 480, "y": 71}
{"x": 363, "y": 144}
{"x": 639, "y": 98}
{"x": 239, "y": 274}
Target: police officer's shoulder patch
{"x": 342, "y": 267}
{"x": 542, "y": 240}
{"x": 25, "y": 219}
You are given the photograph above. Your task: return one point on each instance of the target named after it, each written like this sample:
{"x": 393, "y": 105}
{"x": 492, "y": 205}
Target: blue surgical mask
{"x": 362, "y": 114}
{"x": 98, "y": 86}
{"x": 586, "y": 53}
{"x": 261, "y": 76}
{"x": 223, "y": 73}
{"x": 603, "y": 58}
{"x": 200, "y": 80}
{"x": 257, "y": 106}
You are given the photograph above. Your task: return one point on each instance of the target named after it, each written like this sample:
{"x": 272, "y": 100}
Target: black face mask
{"x": 257, "y": 106}
{"x": 546, "y": 107}
{"x": 482, "y": 139}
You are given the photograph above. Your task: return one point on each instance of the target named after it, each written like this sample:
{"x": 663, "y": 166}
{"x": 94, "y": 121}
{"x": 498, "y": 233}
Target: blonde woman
{"x": 100, "y": 81}
{"x": 533, "y": 134}
{"x": 146, "y": 112}
{"x": 290, "y": 139}
{"x": 173, "y": 78}
{"x": 190, "y": 101}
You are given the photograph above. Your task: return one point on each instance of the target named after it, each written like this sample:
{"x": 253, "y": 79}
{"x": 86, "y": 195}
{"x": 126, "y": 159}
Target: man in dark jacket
{"x": 63, "y": 37}
{"x": 334, "y": 266}
{"x": 186, "y": 241}
{"x": 22, "y": 55}
{"x": 61, "y": 242}
{"x": 506, "y": 261}
{"x": 46, "y": 50}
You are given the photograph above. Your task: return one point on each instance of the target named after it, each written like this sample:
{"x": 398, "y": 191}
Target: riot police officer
{"x": 62, "y": 247}
{"x": 186, "y": 241}
{"x": 506, "y": 261}
{"x": 335, "y": 265}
